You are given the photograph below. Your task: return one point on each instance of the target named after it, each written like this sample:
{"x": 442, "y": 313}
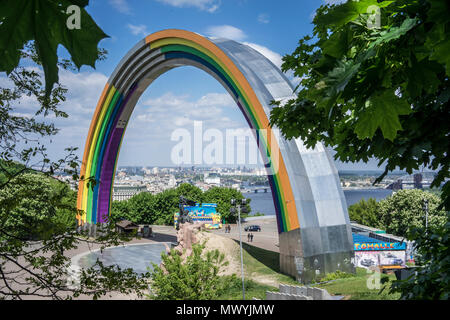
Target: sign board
{"x": 377, "y": 246}
{"x": 366, "y": 259}
{"x": 203, "y": 213}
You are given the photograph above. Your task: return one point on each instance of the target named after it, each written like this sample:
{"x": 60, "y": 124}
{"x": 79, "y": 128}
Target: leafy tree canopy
{"x": 365, "y": 212}
{"x": 45, "y": 23}
{"x": 402, "y": 212}
{"x": 36, "y": 207}
{"x": 32, "y": 204}
{"x": 430, "y": 281}
{"x": 197, "y": 278}
{"x": 399, "y": 213}
{"x": 375, "y": 83}
{"x": 160, "y": 208}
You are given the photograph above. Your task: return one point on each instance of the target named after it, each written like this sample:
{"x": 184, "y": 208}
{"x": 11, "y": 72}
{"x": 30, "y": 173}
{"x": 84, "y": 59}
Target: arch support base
{"x": 308, "y": 266}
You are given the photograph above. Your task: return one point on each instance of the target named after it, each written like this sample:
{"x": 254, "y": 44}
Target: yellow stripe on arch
{"x": 84, "y": 164}
{"x": 94, "y": 141}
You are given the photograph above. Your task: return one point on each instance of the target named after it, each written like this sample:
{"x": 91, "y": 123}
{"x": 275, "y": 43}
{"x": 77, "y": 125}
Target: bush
{"x": 194, "y": 279}
{"x": 335, "y": 275}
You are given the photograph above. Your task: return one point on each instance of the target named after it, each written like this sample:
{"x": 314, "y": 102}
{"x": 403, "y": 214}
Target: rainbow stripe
{"x": 120, "y": 96}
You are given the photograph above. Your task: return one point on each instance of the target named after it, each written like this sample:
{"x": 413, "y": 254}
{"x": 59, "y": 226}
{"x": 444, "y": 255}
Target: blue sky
{"x": 182, "y": 95}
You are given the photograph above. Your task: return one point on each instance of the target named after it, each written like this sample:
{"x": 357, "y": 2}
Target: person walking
{"x": 251, "y": 237}
{"x": 248, "y": 237}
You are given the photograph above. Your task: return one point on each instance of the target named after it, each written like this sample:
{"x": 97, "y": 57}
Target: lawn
{"x": 263, "y": 267}
{"x": 356, "y": 288}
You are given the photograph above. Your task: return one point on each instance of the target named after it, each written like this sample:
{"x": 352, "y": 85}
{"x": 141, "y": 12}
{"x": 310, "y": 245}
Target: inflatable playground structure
{"x": 202, "y": 213}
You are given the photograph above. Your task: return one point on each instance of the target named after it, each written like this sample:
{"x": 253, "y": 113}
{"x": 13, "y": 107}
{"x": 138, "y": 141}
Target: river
{"x": 262, "y": 202}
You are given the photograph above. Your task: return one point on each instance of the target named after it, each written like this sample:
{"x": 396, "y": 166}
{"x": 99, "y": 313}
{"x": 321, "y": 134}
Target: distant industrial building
{"x": 418, "y": 181}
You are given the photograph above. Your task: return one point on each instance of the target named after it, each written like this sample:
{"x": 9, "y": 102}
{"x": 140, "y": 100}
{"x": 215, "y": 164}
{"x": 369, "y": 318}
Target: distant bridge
{"x": 415, "y": 181}
{"x": 263, "y": 189}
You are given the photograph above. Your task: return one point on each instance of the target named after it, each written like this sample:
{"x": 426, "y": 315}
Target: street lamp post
{"x": 233, "y": 202}
{"x": 425, "y": 208}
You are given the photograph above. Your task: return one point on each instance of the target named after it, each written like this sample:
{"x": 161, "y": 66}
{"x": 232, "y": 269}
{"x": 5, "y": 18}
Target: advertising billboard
{"x": 366, "y": 259}
{"x": 203, "y": 213}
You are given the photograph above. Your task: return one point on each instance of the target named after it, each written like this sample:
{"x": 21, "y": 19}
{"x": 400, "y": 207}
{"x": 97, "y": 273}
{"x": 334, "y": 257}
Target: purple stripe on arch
{"x": 108, "y": 164}
{"x": 107, "y": 174}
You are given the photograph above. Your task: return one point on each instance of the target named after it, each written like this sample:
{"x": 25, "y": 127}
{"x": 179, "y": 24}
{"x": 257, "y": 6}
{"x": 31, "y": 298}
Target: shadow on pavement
{"x": 161, "y": 237}
{"x": 270, "y": 259}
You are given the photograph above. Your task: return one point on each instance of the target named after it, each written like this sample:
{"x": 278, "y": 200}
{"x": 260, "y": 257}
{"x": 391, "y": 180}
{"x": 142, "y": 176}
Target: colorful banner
{"x": 203, "y": 213}
{"x": 367, "y": 259}
{"x": 376, "y": 246}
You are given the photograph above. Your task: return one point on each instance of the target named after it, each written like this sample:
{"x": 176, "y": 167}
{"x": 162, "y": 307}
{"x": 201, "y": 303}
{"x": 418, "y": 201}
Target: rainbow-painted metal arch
{"x": 302, "y": 209}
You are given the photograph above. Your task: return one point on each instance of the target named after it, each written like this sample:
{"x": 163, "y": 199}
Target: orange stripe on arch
{"x": 287, "y": 193}
{"x": 87, "y": 149}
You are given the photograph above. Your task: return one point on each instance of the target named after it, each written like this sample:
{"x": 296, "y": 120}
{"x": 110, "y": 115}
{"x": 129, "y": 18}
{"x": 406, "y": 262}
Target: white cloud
{"x": 216, "y": 99}
{"x": 84, "y": 90}
{"x": 334, "y": 1}
{"x": 263, "y": 18}
{"x": 140, "y": 30}
{"x": 204, "y": 5}
{"x": 227, "y": 32}
{"x": 169, "y": 112}
{"x": 121, "y": 6}
{"x": 208, "y": 108}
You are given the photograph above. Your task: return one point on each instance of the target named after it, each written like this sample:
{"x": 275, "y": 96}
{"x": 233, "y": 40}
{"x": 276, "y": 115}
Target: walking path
{"x": 267, "y": 238}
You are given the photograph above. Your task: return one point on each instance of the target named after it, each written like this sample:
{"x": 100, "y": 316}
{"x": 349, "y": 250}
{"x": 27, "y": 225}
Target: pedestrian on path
{"x": 251, "y": 237}
{"x": 248, "y": 237}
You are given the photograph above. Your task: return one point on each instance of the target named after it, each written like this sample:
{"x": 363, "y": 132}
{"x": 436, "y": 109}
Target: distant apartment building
{"x": 125, "y": 192}
{"x": 212, "y": 180}
{"x": 172, "y": 182}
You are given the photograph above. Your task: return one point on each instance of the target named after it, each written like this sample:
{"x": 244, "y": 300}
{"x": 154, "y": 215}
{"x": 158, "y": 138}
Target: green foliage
{"x": 166, "y": 204}
{"x": 432, "y": 280}
{"x": 145, "y": 208}
{"x": 403, "y": 211}
{"x": 373, "y": 91}
{"x": 222, "y": 196}
{"x": 334, "y": 276}
{"x": 44, "y": 22}
{"x": 33, "y": 205}
{"x": 253, "y": 289}
{"x": 365, "y": 212}
{"x": 190, "y": 192}
{"x": 194, "y": 279}
{"x": 138, "y": 209}
{"x": 36, "y": 207}
{"x": 355, "y": 288}
{"x": 399, "y": 213}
